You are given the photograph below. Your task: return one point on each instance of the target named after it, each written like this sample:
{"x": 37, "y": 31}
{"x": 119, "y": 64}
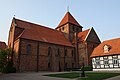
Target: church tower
{"x": 69, "y": 26}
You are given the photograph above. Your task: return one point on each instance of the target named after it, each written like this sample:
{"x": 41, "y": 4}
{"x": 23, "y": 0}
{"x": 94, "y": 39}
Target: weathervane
{"x": 14, "y": 16}
{"x": 67, "y": 8}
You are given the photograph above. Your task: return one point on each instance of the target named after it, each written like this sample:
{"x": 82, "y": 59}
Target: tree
{"x": 83, "y": 71}
{"x": 5, "y": 61}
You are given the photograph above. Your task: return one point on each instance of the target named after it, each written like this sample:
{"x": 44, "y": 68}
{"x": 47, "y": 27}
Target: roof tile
{"x": 115, "y": 48}
{"x": 41, "y": 33}
{"x": 83, "y": 35}
{"x": 68, "y": 18}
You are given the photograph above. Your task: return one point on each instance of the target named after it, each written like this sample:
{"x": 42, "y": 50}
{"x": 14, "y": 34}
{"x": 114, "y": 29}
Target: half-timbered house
{"x": 106, "y": 56}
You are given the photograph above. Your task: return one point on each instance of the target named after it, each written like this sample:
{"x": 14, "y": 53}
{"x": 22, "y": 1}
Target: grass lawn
{"x": 90, "y": 75}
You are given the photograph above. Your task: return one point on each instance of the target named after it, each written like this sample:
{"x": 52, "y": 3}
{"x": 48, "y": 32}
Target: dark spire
{"x": 14, "y": 20}
{"x": 67, "y": 8}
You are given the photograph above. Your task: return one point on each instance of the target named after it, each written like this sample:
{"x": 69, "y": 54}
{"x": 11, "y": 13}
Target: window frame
{"x": 115, "y": 61}
{"x": 65, "y": 52}
{"x": 28, "y": 49}
{"x": 62, "y": 28}
{"x": 49, "y": 51}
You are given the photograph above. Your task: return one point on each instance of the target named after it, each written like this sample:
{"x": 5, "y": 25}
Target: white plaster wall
{"x": 113, "y": 69}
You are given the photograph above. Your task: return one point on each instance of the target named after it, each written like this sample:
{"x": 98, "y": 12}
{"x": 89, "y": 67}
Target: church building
{"x": 40, "y": 48}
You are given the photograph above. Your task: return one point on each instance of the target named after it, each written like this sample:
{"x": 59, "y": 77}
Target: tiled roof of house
{"x": 82, "y": 36}
{"x": 41, "y": 33}
{"x": 68, "y": 18}
{"x": 3, "y": 45}
{"x": 114, "y": 45}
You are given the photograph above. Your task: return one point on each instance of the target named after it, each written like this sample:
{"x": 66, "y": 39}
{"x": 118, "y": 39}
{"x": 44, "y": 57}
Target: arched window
{"x": 28, "y": 49}
{"x": 66, "y": 65}
{"x": 72, "y": 53}
{"x": 58, "y": 51}
{"x": 49, "y": 65}
{"x": 72, "y": 65}
{"x": 49, "y": 51}
{"x": 65, "y": 52}
{"x": 93, "y": 46}
{"x": 73, "y": 28}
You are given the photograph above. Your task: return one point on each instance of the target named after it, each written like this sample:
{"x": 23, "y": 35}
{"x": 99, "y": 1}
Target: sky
{"x": 102, "y": 15}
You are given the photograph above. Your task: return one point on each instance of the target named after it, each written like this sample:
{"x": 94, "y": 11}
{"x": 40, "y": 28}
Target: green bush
{"x": 8, "y": 68}
{"x": 87, "y": 68}
{"x": 6, "y": 65}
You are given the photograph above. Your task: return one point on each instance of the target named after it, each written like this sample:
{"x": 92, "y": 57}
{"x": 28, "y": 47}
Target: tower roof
{"x": 68, "y": 18}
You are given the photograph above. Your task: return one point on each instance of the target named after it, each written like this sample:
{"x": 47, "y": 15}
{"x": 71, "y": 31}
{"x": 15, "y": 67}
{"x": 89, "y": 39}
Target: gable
{"x": 14, "y": 32}
{"x": 92, "y": 36}
{"x": 68, "y": 18}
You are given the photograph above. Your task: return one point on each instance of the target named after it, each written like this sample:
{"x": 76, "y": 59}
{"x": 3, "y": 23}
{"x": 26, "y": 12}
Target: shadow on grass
{"x": 90, "y": 75}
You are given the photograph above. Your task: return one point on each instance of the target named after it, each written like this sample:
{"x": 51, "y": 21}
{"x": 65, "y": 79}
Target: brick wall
{"x": 15, "y": 55}
{"x": 82, "y": 50}
{"x": 11, "y": 36}
{"x": 28, "y": 62}
{"x": 90, "y": 48}
{"x": 86, "y": 48}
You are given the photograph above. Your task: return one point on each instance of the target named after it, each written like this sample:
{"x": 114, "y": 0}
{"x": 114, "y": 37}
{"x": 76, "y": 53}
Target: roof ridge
{"x": 37, "y": 24}
{"x": 111, "y": 39}
{"x": 68, "y": 18}
{"x": 28, "y": 22}
{"x": 88, "y": 33}
{"x": 2, "y": 42}
{"x": 86, "y": 29}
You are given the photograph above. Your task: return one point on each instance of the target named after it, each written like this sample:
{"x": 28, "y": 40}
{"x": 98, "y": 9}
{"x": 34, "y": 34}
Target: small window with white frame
{"x": 106, "y": 62}
{"x": 115, "y": 61}
{"x": 62, "y": 28}
{"x": 97, "y": 58}
{"x": 106, "y": 48}
{"x": 97, "y": 62}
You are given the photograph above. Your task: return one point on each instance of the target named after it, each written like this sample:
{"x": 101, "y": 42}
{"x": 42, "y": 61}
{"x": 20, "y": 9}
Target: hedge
{"x": 87, "y": 68}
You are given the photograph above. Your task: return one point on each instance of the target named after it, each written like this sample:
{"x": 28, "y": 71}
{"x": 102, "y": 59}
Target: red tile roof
{"x": 115, "y": 48}
{"x": 3, "y": 45}
{"x": 68, "y": 18}
{"x": 82, "y": 35}
{"x": 41, "y": 33}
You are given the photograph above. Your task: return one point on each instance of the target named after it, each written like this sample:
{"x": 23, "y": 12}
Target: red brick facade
{"x": 38, "y": 48}
{"x": 3, "y": 45}
{"x": 87, "y": 46}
